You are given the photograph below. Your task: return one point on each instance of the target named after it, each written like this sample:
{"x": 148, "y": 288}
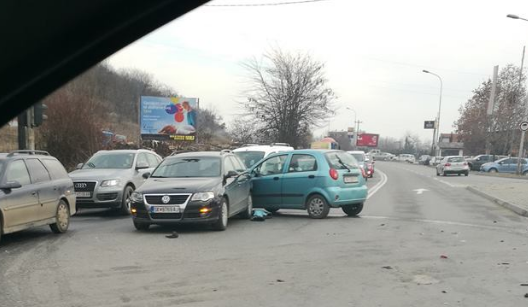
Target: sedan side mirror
{"x": 10, "y": 185}
{"x": 146, "y": 175}
{"x": 501, "y": 162}
{"x": 142, "y": 165}
{"x": 79, "y": 166}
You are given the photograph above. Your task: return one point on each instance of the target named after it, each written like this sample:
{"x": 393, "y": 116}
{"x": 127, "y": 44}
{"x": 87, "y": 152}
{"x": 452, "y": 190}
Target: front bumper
{"x": 100, "y": 197}
{"x": 190, "y": 214}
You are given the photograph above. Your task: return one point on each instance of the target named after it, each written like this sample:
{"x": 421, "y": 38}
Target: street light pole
{"x": 355, "y": 123}
{"x": 437, "y": 126}
{"x": 525, "y": 117}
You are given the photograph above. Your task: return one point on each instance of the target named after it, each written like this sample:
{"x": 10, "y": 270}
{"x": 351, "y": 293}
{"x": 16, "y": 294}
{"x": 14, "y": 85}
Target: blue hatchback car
{"x": 505, "y": 165}
{"x": 312, "y": 180}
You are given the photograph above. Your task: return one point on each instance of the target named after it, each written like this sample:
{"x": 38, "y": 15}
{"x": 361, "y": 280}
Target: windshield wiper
{"x": 343, "y": 164}
{"x": 158, "y": 177}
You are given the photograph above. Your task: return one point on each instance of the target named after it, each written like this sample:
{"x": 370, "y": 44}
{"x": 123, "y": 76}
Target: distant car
{"x": 505, "y": 165}
{"x": 193, "y": 187}
{"x": 109, "y": 177}
{"x": 424, "y": 159}
{"x": 35, "y": 190}
{"x": 363, "y": 162}
{"x": 476, "y": 162}
{"x": 252, "y": 154}
{"x": 406, "y": 158}
{"x": 312, "y": 180}
{"x": 452, "y": 165}
{"x": 384, "y": 156}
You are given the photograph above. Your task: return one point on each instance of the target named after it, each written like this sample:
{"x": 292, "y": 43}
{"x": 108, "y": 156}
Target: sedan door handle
{"x": 311, "y": 176}
{"x": 275, "y": 178}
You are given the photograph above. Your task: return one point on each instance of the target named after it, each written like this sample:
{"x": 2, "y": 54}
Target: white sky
{"x": 374, "y": 53}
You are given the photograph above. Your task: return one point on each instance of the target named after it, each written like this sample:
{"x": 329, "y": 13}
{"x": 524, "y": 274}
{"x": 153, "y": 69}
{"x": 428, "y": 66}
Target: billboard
{"x": 429, "y": 124}
{"x": 367, "y": 140}
{"x": 168, "y": 118}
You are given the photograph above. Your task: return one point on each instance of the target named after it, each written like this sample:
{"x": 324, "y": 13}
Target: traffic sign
{"x": 429, "y": 124}
{"x": 524, "y": 126}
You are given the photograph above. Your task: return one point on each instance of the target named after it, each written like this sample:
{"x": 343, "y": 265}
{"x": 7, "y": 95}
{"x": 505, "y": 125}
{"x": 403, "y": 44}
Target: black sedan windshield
{"x": 250, "y": 158}
{"x": 188, "y": 167}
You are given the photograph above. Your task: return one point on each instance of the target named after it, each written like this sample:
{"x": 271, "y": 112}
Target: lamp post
{"x": 355, "y": 124}
{"x": 436, "y": 135}
{"x": 523, "y": 133}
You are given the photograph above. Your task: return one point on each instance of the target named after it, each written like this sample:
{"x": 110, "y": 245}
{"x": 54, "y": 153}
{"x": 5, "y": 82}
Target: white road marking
{"x": 420, "y": 191}
{"x": 379, "y": 185}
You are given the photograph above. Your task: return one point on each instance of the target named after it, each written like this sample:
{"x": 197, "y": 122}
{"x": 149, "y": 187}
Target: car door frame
{"x": 256, "y": 179}
{"x": 48, "y": 194}
{"x": 230, "y": 185}
{"x": 312, "y": 175}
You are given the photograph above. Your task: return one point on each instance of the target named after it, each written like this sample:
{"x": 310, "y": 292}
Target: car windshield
{"x": 456, "y": 159}
{"x": 188, "y": 167}
{"x": 359, "y": 157}
{"x": 110, "y": 160}
{"x": 250, "y": 158}
{"x": 341, "y": 160}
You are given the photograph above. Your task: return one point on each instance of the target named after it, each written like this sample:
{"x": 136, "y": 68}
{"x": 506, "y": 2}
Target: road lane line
{"x": 379, "y": 185}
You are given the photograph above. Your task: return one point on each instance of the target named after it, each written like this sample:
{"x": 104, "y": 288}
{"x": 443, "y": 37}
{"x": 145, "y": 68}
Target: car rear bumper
{"x": 338, "y": 197}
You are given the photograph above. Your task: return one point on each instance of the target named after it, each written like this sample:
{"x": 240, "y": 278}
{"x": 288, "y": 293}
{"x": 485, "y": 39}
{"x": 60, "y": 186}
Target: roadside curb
{"x": 498, "y": 176}
{"x": 510, "y": 206}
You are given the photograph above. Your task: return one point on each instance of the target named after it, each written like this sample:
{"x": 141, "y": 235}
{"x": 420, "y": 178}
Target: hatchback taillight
{"x": 448, "y": 164}
{"x": 363, "y": 172}
{"x": 334, "y": 174}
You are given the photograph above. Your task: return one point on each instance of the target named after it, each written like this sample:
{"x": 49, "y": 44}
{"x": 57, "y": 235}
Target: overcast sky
{"x": 374, "y": 53}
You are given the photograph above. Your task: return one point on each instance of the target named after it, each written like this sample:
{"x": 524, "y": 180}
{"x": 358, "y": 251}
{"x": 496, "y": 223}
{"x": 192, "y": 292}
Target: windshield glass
{"x": 456, "y": 159}
{"x": 341, "y": 160}
{"x": 359, "y": 157}
{"x": 250, "y": 158}
{"x": 110, "y": 160}
{"x": 188, "y": 167}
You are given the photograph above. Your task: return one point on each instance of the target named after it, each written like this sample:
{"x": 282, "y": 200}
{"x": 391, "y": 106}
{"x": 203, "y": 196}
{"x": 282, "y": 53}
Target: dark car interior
{"x": 47, "y": 43}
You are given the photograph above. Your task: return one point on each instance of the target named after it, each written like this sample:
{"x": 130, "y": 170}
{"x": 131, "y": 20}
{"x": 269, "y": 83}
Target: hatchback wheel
{"x": 221, "y": 223}
{"x": 249, "y": 210}
{"x": 317, "y": 207}
{"x": 352, "y": 210}
{"x": 62, "y": 217}
{"x": 125, "y": 204}
{"x": 141, "y": 226}
{"x": 492, "y": 170}
{"x": 466, "y": 174}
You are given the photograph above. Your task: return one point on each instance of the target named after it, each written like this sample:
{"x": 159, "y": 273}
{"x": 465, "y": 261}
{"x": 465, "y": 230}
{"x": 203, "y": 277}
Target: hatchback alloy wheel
{"x": 317, "y": 207}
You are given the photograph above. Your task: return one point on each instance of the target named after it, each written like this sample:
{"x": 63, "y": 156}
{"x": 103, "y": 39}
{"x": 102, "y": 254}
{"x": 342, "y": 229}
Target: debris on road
{"x": 388, "y": 267}
{"x": 280, "y": 280}
{"x": 443, "y": 256}
{"x": 502, "y": 241}
{"x": 382, "y": 224}
{"x": 444, "y": 291}
{"x": 526, "y": 295}
{"x": 503, "y": 263}
{"x": 524, "y": 285}
{"x": 174, "y": 235}
{"x": 494, "y": 221}
{"x": 260, "y": 215}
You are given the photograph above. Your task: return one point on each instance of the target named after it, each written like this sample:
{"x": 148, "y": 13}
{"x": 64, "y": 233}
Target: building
{"x": 450, "y": 145}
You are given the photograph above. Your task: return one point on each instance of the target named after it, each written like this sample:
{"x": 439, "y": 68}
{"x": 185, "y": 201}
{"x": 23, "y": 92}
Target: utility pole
{"x": 521, "y": 146}
{"x": 357, "y": 132}
{"x": 22, "y": 123}
{"x": 491, "y": 106}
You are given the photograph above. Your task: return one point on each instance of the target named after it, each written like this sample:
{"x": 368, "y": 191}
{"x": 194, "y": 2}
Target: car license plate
{"x": 83, "y": 194}
{"x": 165, "y": 209}
{"x": 350, "y": 179}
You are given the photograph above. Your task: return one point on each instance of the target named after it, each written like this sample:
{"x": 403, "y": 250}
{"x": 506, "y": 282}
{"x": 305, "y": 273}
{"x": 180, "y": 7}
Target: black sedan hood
{"x": 180, "y": 185}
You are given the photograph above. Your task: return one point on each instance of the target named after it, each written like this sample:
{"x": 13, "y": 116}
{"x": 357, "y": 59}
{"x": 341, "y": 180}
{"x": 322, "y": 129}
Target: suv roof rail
{"x": 280, "y": 144}
{"x": 29, "y": 152}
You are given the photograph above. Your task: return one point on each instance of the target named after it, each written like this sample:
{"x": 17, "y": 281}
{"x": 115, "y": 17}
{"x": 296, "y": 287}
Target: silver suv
{"x": 35, "y": 190}
{"x": 109, "y": 177}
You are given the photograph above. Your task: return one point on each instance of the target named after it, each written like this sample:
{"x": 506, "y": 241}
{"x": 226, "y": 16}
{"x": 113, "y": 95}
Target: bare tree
{"x": 288, "y": 94}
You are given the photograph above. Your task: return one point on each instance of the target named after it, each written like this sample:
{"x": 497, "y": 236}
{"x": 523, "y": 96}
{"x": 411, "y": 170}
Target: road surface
{"x": 420, "y": 241}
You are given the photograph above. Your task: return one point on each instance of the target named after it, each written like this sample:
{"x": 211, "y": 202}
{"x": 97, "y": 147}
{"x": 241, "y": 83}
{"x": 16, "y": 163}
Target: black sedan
{"x": 195, "y": 187}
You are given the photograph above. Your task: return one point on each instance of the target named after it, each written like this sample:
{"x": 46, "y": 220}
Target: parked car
{"x": 452, "y": 165}
{"x": 476, "y": 162}
{"x": 384, "y": 156}
{"x": 35, "y": 190}
{"x": 312, "y": 180}
{"x": 505, "y": 165}
{"x": 406, "y": 158}
{"x": 252, "y": 154}
{"x": 193, "y": 187}
{"x": 363, "y": 162}
{"x": 109, "y": 177}
{"x": 424, "y": 160}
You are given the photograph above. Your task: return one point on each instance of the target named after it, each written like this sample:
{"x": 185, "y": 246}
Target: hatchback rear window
{"x": 456, "y": 159}
{"x": 340, "y": 160}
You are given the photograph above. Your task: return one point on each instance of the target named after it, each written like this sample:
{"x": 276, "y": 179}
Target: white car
{"x": 252, "y": 154}
{"x": 452, "y": 165}
{"x": 407, "y": 158}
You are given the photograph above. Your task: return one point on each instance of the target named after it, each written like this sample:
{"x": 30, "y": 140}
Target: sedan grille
{"x": 167, "y": 199}
{"x": 166, "y": 216}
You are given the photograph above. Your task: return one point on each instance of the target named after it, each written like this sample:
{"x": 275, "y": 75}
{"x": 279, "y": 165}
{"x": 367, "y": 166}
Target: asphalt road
{"x": 390, "y": 256}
